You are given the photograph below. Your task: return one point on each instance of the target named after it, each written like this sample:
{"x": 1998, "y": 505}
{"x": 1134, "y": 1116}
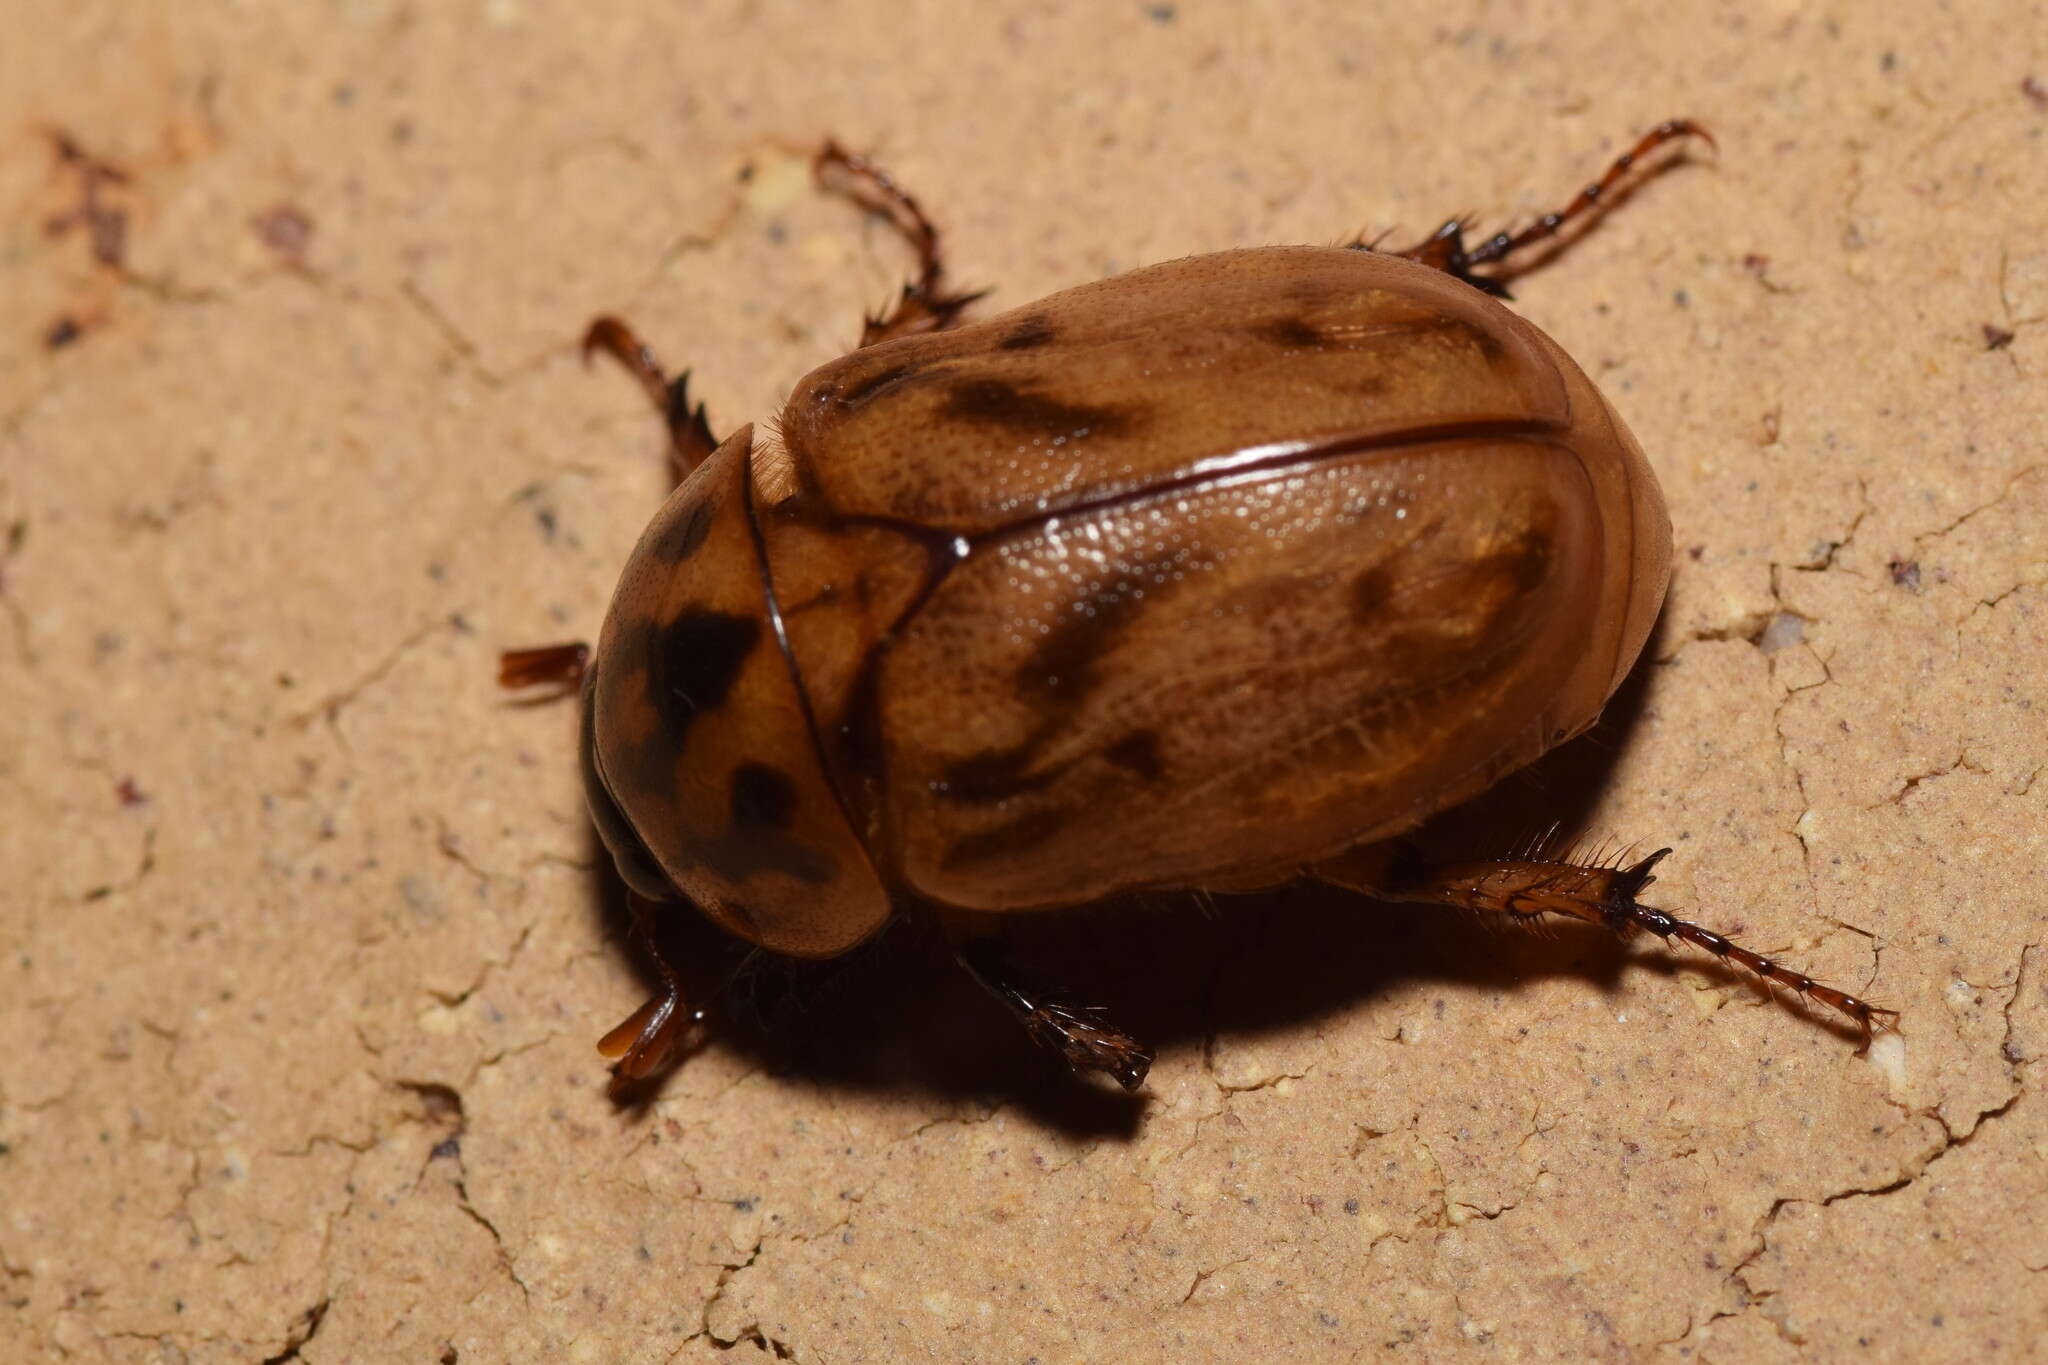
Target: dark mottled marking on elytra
{"x": 1032, "y": 332}
{"x": 1062, "y": 664}
{"x": 994, "y": 775}
{"x": 1027, "y": 831}
{"x": 1525, "y": 564}
{"x": 1372, "y": 384}
{"x": 996, "y": 402}
{"x": 867, "y": 388}
{"x": 1138, "y": 752}
{"x": 692, "y": 663}
{"x": 683, "y": 536}
{"x": 1489, "y": 345}
{"x": 762, "y": 797}
{"x": 1058, "y": 675}
{"x": 1293, "y": 333}
{"x": 1372, "y": 589}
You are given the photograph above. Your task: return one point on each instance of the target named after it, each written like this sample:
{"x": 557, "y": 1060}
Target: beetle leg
{"x": 640, "y": 1044}
{"x": 1078, "y": 1034}
{"x": 924, "y": 305}
{"x": 561, "y": 665}
{"x": 1603, "y": 894}
{"x": 1445, "y": 248}
{"x": 689, "y": 432}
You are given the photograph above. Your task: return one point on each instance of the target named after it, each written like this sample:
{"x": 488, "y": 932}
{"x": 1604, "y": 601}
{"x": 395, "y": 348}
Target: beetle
{"x": 1215, "y": 575}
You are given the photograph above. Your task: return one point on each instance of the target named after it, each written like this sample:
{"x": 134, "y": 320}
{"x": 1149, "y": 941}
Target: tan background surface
{"x": 304, "y": 957}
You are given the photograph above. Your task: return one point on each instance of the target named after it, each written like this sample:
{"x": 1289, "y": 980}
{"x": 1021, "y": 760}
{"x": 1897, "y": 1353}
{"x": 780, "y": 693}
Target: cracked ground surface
{"x": 303, "y": 951}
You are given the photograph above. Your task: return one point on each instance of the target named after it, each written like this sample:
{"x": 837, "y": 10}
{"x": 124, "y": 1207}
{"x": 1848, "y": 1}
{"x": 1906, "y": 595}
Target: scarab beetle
{"x": 1217, "y": 574}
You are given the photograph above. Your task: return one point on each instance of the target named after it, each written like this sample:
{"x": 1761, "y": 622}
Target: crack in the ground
{"x": 1202, "y": 1277}
{"x": 2011, "y": 484}
{"x": 306, "y": 1329}
{"x": 330, "y": 707}
{"x": 145, "y": 864}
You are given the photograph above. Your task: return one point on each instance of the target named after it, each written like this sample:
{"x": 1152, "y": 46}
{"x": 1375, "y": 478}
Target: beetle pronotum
{"x": 1214, "y": 575}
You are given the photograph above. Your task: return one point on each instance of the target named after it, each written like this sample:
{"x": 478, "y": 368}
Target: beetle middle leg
{"x": 1598, "y": 892}
{"x": 1079, "y": 1035}
{"x": 1445, "y": 248}
{"x": 924, "y": 305}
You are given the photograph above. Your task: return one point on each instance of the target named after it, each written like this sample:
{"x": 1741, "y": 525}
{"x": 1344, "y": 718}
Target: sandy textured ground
{"x": 304, "y": 948}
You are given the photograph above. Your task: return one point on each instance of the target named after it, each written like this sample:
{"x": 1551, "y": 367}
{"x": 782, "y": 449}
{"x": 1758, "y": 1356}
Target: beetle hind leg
{"x": 1603, "y": 893}
{"x": 1445, "y": 248}
{"x": 1078, "y": 1035}
{"x": 925, "y": 305}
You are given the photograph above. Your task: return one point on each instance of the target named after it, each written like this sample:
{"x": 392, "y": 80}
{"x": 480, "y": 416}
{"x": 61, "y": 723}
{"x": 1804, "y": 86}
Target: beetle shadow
{"x": 899, "y": 1016}
{"x": 896, "y": 1015}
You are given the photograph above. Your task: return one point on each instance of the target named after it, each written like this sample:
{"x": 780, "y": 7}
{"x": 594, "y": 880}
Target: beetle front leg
{"x": 1078, "y": 1034}
{"x": 689, "y": 431}
{"x": 1598, "y": 893}
{"x": 924, "y": 305}
{"x": 644, "y": 1040}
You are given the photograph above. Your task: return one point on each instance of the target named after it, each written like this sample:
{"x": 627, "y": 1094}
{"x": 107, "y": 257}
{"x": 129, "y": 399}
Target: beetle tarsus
{"x": 1606, "y": 893}
{"x": 924, "y": 304}
{"x": 643, "y": 1041}
{"x": 689, "y": 430}
{"x": 1078, "y": 1035}
{"x": 1445, "y": 248}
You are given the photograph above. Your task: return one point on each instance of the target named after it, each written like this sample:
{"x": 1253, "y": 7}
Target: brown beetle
{"x": 1217, "y": 574}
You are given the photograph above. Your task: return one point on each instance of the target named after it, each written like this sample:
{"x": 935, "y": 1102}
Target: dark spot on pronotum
{"x": 1025, "y": 832}
{"x": 762, "y": 797}
{"x": 1032, "y": 332}
{"x": 868, "y": 387}
{"x": 996, "y": 402}
{"x": 692, "y": 663}
{"x": 743, "y": 853}
{"x": 685, "y": 533}
{"x": 1293, "y": 333}
{"x": 1138, "y": 752}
